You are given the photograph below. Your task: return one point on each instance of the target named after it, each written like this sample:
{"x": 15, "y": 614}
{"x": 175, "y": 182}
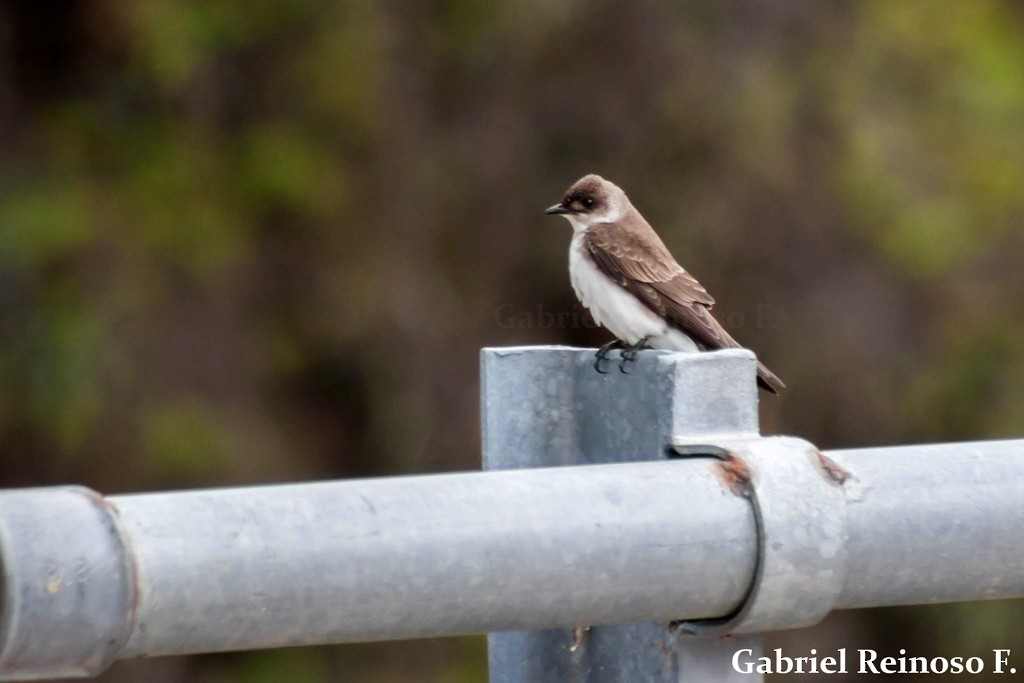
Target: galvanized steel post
{"x": 546, "y": 406}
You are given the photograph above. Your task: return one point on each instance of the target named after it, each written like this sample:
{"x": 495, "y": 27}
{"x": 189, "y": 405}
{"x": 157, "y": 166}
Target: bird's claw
{"x": 627, "y": 356}
{"x": 629, "y": 353}
{"x": 602, "y": 354}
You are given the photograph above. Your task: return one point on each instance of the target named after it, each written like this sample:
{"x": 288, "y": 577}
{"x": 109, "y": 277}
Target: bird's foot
{"x": 602, "y": 354}
{"x": 629, "y": 353}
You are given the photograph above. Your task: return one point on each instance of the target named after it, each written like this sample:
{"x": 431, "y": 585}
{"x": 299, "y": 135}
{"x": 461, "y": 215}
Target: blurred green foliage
{"x": 935, "y": 113}
{"x": 264, "y": 241}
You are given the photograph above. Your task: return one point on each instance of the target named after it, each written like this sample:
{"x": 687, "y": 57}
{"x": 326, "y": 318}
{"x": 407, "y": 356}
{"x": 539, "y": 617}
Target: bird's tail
{"x": 767, "y": 380}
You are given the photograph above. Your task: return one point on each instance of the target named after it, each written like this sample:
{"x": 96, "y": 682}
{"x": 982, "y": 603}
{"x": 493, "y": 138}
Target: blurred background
{"x": 264, "y": 240}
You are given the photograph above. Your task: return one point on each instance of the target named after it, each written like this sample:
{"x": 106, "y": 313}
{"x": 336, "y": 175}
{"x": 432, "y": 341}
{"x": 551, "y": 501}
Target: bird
{"x": 626, "y": 277}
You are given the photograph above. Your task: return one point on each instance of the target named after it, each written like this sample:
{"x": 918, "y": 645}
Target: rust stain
{"x": 579, "y": 633}
{"x": 831, "y": 469}
{"x": 734, "y": 473}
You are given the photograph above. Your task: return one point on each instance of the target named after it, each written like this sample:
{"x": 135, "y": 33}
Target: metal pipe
{"x": 933, "y": 523}
{"x": 68, "y": 589}
{"x": 214, "y": 570}
{"x": 87, "y": 579}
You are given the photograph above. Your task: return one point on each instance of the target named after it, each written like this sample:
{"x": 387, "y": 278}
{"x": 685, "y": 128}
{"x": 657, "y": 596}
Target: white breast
{"x": 615, "y": 308}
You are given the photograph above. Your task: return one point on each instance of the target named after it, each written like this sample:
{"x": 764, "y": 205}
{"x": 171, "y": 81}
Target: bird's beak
{"x": 556, "y": 209}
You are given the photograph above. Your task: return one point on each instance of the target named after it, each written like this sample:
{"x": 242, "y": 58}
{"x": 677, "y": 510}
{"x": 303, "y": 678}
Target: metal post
{"x": 548, "y": 406}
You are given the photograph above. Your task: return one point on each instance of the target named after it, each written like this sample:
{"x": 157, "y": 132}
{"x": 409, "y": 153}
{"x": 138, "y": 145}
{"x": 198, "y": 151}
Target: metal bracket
{"x": 799, "y": 509}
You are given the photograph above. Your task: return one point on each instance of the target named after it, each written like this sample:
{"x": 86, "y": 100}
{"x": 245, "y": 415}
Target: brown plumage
{"x": 626, "y": 250}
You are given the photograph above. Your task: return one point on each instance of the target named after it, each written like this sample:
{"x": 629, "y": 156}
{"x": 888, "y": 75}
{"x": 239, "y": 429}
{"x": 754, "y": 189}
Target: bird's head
{"x": 590, "y": 200}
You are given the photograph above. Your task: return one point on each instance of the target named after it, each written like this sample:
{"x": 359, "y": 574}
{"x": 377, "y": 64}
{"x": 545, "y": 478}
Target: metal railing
{"x": 684, "y": 525}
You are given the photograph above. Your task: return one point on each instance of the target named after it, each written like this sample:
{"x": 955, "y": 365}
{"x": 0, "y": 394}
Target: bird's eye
{"x": 588, "y": 202}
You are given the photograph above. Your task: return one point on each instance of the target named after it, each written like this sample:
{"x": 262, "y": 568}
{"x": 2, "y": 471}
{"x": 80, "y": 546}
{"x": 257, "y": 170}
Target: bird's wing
{"x": 637, "y": 259}
{"x": 637, "y": 253}
{"x": 643, "y": 265}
